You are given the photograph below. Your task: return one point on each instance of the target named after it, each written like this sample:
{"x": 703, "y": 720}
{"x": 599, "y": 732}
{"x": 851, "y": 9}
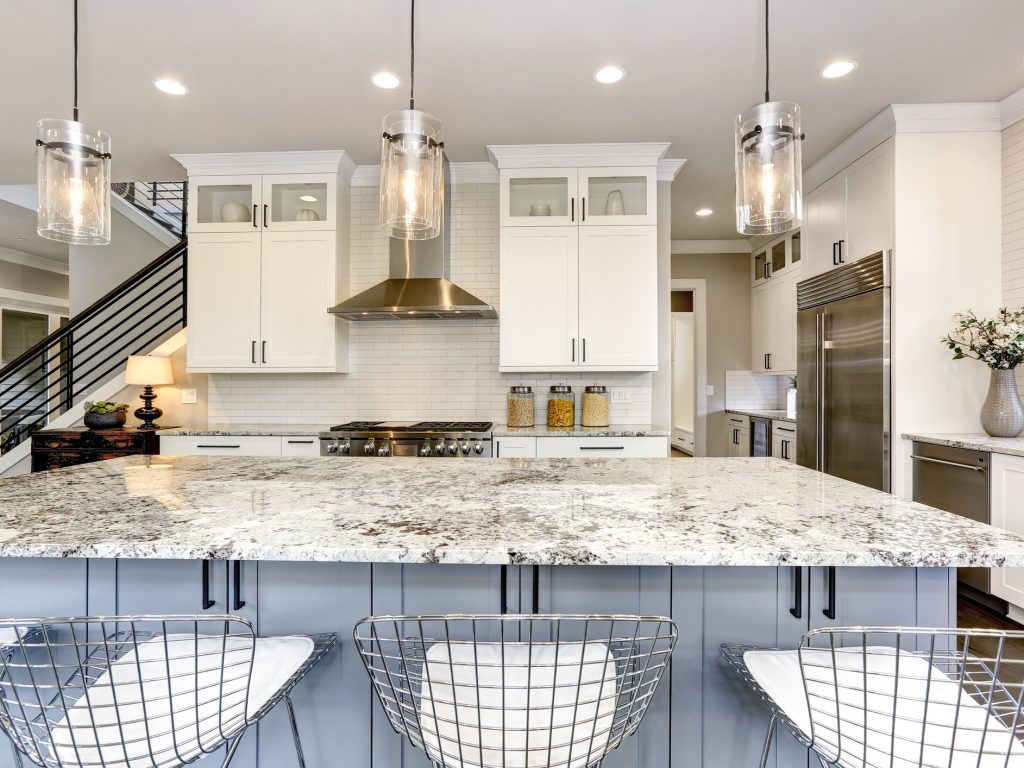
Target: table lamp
{"x": 148, "y": 372}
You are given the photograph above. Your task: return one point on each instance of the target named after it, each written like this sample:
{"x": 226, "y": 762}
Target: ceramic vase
{"x": 1002, "y": 415}
{"x": 234, "y": 212}
{"x": 615, "y": 205}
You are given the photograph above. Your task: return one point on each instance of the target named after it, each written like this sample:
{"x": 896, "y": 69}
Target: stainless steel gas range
{"x": 448, "y": 439}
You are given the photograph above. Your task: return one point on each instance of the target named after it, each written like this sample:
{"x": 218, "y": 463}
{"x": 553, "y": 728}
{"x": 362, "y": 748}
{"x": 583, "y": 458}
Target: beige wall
{"x": 169, "y": 398}
{"x": 728, "y": 327}
{"x": 16, "y": 277}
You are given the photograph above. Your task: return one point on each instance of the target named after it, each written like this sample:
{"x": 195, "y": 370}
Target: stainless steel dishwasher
{"x": 956, "y": 480}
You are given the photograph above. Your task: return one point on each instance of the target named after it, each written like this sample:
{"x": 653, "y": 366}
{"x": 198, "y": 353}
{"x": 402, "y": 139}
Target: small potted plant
{"x": 999, "y": 343}
{"x": 104, "y": 415}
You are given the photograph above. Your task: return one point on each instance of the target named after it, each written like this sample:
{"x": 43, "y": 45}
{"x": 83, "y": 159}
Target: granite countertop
{"x": 560, "y": 511}
{"x": 1012, "y": 446}
{"x": 615, "y": 430}
{"x": 777, "y": 415}
{"x": 246, "y": 430}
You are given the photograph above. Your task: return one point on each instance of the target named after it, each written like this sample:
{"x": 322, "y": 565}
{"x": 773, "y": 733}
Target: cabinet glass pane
{"x": 538, "y": 197}
{"x": 795, "y": 248}
{"x": 220, "y": 203}
{"x": 759, "y": 261}
{"x": 617, "y": 196}
{"x": 779, "y": 256}
{"x": 298, "y": 202}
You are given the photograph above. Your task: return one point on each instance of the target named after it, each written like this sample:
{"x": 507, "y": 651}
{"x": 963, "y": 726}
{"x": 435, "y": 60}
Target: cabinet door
{"x": 300, "y": 445}
{"x": 782, "y": 345}
{"x": 539, "y": 294}
{"x": 1007, "y": 500}
{"x": 618, "y": 196}
{"x": 864, "y": 597}
{"x": 224, "y": 204}
{"x": 223, "y": 301}
{"x": 297, "y": 287}
{"x": 220, "y": 445}
{"x": 618, "y": 298}
{"x": 538, "y": 197}
{"x": 761, "y": 326}
{"x": 515, "y": 447}
{"x": 869, "y": 204}
{"x": 739, "y": 442}
{"x": 601, "y": 447}
{"x": 299, "y": 202}
{"x": 824, "y": 226}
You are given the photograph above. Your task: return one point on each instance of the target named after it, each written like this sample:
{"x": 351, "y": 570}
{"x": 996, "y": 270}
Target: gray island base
{"x": 315, "y": 545}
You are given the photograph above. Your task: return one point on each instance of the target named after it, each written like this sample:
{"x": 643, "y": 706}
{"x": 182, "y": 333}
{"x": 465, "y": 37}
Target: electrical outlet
{"x": 622, "y": 396}
{"x": 189, "y": 396}
{"x": 711, "y": 390}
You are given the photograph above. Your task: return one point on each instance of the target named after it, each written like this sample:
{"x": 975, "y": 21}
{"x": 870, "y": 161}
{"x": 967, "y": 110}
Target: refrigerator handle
{"x": 822, "y": 389}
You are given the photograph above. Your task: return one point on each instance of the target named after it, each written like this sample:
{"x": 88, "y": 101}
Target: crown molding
{"x": 1011, "y": 109}
{"x": 461, "y": 173}
{"x": 736, "y": 245}
{"x": 577, "y": 155}
{"x": 669, "y": 169}
{"x": 36, "y": 301}
{"x": 12, "y": 256}
{"x": 230, "y": 163}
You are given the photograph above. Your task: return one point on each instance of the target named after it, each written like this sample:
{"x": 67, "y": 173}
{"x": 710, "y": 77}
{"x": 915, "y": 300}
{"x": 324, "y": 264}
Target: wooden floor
{"x": 677, "y": 454}
{"x": 971, "y": 615}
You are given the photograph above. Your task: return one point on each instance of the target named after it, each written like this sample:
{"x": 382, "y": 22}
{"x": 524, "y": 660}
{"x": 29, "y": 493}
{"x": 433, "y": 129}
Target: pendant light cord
{"x": 412, "y": 54}
{"x": 766, "y": 98}
{"x": 76, "y": 62}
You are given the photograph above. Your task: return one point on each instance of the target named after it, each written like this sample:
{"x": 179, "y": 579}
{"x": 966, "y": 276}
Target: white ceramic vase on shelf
{"x": 615, "y": 205}
{"x": 234, "y": 212}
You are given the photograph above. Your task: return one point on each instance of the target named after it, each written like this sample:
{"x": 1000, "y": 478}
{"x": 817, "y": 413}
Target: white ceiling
{"x": 18, "y": 233}
{"x": 268, "y": 75}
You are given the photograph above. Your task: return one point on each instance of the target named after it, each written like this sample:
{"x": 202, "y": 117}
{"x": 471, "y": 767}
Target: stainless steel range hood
{"x": 418, "y": 285}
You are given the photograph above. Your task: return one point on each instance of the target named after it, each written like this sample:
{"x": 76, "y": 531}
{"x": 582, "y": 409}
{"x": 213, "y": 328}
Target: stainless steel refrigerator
{"x": 843, "y": 371}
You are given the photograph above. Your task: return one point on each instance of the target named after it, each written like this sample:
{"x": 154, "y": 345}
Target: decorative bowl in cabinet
{"x": 306, "y": 214}
{"x": 234, "y": 212}
{"x": 540, "y": 209}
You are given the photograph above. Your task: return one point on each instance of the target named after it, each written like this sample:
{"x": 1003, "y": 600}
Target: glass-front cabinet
{"x": 580, "y": 196}
{"x": 275, "y": 201}
{"x": 776, "y": 257}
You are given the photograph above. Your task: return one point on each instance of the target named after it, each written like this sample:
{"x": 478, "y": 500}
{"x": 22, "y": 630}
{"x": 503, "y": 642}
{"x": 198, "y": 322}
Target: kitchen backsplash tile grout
{"x": 414, "y": 368}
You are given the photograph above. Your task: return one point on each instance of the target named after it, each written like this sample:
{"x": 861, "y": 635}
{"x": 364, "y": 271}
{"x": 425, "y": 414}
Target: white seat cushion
{"x": 137, "y": 704}
{"x": 923, "y": 698}
{"x": 516, "y": 681}
{"x": 9, "y": 635}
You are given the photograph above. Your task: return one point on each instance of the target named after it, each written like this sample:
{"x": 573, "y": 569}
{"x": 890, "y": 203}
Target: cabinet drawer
{"x": 300, "y": 445}
{"x": 220, "y": 445}
{"x": 601, "y": 447}
{"x": 737, "y": 421}
{"x": 515, "y": 447}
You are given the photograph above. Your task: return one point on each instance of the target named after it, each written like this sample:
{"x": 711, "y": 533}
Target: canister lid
{"x": 521, "y": 389}
{"x": 596, "y": 388}
{"x": 561, "y": 389}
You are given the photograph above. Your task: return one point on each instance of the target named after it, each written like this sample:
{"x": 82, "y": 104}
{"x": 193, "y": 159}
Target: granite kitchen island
{"x": 735, "y": 550}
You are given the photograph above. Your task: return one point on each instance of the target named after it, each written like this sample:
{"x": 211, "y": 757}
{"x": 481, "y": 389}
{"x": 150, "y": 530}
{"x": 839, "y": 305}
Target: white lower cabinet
{"x": 294, "y": 445}
{"x": 515, "y": 447}
{"x": 224, "y": 445}
{"x": 1007, "y": 511}
{"x": 737, "y": 434}
{"x": 784, "y": 440}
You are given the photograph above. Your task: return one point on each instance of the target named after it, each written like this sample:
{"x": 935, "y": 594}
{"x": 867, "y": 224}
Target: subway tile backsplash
{"x": 408, "y": 369}
{"x": 760, "y": 392}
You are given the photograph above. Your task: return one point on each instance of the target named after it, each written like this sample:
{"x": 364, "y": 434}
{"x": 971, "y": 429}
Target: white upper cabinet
{"x": 539, "y": 297}
{"x": 850, "y": 216}
{"x": 268, "y": 255}
{"x": 619, "y": 196}
{"x": 551, "y": 197}
{"x": 538, "y": 197}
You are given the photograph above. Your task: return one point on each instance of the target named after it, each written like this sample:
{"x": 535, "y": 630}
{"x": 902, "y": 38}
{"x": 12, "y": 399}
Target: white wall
{"x": 19, "y": 277}
{"x": 1013, "y": 214}
{"x": 661, "y": 380}
{"x": 417, "y": 368}
{"x": 947, "y": 258}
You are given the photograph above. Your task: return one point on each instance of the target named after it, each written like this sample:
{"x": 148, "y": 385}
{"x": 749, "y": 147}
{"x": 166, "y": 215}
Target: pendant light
{"x": 73, "y": 177}
{"x": 411, "y": 165}
{"x": 769, "y": 183}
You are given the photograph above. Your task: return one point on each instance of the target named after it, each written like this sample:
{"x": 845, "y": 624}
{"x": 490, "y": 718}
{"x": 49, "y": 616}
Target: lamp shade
{"x": 769, "y": 183}
{"x": 146, "y": 370}
{"x": 411, "y": 175}
{"x": 73, "y": 184}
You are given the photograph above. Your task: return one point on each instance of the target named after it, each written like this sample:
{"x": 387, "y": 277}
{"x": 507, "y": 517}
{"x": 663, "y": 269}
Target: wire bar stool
{"x": 515, "y": 691}
{"x": 891, "y": 697}
{"x": 144, "y": 691}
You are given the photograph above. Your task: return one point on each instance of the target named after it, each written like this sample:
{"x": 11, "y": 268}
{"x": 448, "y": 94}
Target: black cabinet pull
{"x": 735, "y": 437}
{"x": 536, "y": 589}
{"x": 254, "y": 351}
{"x": 584, "y": 349}
{"x": 583, "y": 209}
{"x": 602, "y": 447}
{"x": 265, "y": 206}
{"x": 572, "y": 209}
{"x": 263, "y": 352}
{"x": 236, "y": 578}
{"x": 830, "y": 607}
{"x": 797, "y": 611}
{"x": 766, "y": 361}
{"x": 503, "y": 591}
{"x": 785, "y": 448}
{"x": 205, "y": 601}
{"x": 574, "y": 350}
{"x": 255, "y": 224}
{"x": 841, "y": 244}
{"x": 218, "y": 446}
{"x": 300, "y": 442}
{"x": 835, "y": 258}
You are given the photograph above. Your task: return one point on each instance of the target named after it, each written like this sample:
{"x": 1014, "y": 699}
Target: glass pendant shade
{"x": 73, "y": 183}
{"x": 769, "y": 170}
{"x": 411, "y": 175}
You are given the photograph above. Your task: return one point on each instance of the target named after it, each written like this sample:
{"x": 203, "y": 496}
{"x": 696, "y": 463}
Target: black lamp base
{"x": 148, "y": 414}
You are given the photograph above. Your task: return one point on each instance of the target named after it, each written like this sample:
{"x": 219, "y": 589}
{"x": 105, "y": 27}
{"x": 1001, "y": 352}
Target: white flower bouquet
{"x": 997, "y": 342}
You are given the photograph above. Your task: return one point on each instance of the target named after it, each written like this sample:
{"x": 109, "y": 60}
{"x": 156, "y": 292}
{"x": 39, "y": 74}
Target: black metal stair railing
{"x": 52, "y": 376}
{"x": 166, "y": 202}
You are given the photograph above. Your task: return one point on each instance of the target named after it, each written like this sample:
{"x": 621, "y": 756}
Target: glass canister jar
{"x": 520, "y": 406}
{"x": 596, "y": 406}
{"x": 561, "y": 406}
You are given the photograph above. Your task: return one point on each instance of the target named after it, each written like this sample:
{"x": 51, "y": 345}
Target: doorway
{"x": 689, "y": 367}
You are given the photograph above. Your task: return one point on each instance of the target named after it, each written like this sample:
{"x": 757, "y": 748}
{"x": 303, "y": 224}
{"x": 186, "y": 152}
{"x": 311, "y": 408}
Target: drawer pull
{"x": 205, "y": 600}
{"x": 218, "y": 446}
{"x": 785, "y": 429}
{"x": 236, "y": 577}
{"x": 602, "y": 447}
{"x": 300, "y": 442}
{"x": 945, "y": 463}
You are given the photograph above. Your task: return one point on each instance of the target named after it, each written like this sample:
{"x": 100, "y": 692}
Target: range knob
{"x": 453, "y": 448}
{"x": 332, "y": 447}
{"x": 346, "y": 448}
{"x": 425, "y": 449}
{"x": 465, "y": 449}
{"x": 370, "y": 447}
{"x": 384, "y": 450}
{"x": 478, "y": 447}
{"x": 439, "y": 448}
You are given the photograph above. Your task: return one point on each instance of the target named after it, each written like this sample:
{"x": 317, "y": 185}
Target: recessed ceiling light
{"x": 610, "y": 74}
{"x": 307, "y": 198}
{"x": 704, "y": 212}
{"x": 838, "y": 69}
{"x": 386, "y": 80}
{"x": 172, "y": 87}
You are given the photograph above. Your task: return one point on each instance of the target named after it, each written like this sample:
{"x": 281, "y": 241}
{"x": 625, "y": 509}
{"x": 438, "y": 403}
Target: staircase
{"x": 61, "y": 370}
{"x": 165, "y": 202}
